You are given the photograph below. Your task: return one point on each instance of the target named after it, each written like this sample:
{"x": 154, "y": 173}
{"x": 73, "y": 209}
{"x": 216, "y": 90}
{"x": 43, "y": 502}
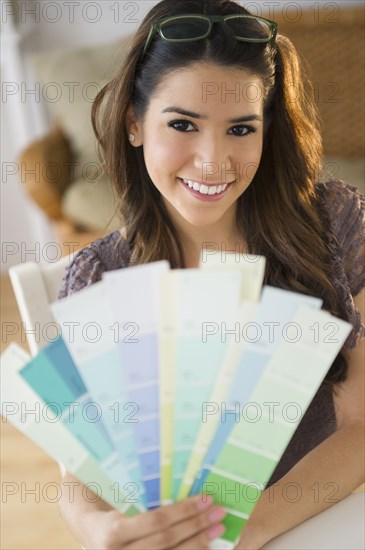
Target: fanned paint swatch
{"x": 168, "y": 383}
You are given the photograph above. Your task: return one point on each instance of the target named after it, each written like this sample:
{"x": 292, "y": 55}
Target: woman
{"x": 216, "y": 139}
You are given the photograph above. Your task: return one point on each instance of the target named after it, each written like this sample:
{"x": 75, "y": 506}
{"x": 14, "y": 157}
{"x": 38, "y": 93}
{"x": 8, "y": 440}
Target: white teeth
{"x": 205, "y": 189}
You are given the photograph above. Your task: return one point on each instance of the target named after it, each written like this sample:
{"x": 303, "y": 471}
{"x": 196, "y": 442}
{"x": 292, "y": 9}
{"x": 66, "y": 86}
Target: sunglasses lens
{"x": 185, "y": 27}
{"x": 249, "y": 28}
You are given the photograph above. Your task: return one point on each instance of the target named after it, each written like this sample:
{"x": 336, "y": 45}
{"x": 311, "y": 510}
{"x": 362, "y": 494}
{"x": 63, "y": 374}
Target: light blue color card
{"x": 134, "y": 298}
{"x": 53, "y": 375}
{"x": 91, "y": 337}
{"x": 206, "y": 305}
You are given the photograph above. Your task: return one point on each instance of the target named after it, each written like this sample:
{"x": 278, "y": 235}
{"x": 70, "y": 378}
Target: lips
{"x": 205, "y": 196}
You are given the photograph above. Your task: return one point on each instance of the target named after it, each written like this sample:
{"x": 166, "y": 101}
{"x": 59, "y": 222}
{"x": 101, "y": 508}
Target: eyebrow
{"x": 180, "y": 111}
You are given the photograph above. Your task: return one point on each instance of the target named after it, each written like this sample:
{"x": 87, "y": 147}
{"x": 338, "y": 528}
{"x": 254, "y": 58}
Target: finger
{"x": 197, "y": 527}
{"x": 163, "y": 518}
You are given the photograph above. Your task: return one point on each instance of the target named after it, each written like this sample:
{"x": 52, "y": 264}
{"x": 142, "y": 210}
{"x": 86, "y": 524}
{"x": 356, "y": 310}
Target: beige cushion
{"x": 71, "y": 79}
{"x": 91, "y": 205}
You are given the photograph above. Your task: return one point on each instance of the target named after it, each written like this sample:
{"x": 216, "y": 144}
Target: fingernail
{"x": 204, "y": 501}
{"x": 217, "y": 514}
{"x": 216, "y": 531}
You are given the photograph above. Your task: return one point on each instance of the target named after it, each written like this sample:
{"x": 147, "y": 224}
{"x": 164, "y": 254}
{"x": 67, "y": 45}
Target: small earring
{"x": 131, "y": 137}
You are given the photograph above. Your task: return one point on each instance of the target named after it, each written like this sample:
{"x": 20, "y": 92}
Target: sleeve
{"x": 349, "y": 216}
{"x": 346, "y": 208}
{"x": 85, "y": 269}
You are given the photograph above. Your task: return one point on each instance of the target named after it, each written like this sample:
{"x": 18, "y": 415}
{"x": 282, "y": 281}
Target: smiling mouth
{"x": 205, "y": 189}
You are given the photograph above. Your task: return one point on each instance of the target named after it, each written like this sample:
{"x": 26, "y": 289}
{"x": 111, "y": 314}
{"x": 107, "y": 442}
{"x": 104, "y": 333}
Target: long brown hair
{"x": 278, "y": 210}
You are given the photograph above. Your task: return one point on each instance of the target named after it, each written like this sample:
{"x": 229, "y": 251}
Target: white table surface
{"x": 340, "y": 527}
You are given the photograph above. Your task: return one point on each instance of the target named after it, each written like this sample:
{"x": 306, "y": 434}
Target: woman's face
{"x": 205, "y": 146}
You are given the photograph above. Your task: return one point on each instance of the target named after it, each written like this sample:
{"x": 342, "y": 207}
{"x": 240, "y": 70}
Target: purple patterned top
{"x": 343, "y": 210}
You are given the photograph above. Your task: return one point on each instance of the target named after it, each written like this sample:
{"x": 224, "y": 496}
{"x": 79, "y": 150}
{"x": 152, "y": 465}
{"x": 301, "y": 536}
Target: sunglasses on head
{"x": 191, "y": 27}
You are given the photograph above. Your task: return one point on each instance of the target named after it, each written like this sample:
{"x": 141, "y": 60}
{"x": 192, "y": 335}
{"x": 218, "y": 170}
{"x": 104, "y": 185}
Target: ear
{"x": 134, "y": 127}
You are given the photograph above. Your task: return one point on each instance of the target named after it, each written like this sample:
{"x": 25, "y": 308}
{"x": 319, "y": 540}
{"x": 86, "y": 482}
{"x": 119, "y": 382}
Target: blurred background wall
{"x": 28, "y": 27}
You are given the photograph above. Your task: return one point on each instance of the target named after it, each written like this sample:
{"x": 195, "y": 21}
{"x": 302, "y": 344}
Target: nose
{"x": 213, "y": 159}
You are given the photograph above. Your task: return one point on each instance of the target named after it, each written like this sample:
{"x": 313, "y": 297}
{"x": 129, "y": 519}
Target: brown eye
{"x": 182, "y": 122}
{"x": 248, "y": 130}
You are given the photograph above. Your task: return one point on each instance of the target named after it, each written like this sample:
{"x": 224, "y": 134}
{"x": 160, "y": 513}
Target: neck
{"x": 218, "y": 238}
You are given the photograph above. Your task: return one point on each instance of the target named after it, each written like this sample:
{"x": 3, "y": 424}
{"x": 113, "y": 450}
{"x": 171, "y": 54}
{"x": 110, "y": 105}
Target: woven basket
{"x": 332, "y": 41}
